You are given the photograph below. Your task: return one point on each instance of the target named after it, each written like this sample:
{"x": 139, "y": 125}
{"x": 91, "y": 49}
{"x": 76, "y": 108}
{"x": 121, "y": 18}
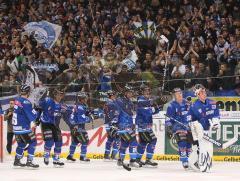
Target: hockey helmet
{"x": 176, "y": 89}
{"x": 82, "y": 95}
{"x": 58, "y": 91}
{"x": 25, "y": 89}
{"x": 111, "y": 93}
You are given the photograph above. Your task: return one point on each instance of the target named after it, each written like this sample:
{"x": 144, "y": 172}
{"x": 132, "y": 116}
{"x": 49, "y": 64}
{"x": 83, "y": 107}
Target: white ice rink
{"x": 98, "y": 170}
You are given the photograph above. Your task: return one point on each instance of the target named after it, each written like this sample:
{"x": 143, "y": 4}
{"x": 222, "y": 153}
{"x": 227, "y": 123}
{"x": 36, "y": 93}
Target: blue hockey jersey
{"x": 179, "y": 112}
{"x": 202, "y": 112}
{"x": 23, "y": 115}
{"x": 126, "y": 108}
{"x": 111, "y": 112}
{"x": 79, "y": 115}
{"x": 144, "y": 113}
{"x": 51, "y": 111}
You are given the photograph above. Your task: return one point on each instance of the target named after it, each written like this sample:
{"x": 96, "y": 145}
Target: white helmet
{"x": 198, "y": 88}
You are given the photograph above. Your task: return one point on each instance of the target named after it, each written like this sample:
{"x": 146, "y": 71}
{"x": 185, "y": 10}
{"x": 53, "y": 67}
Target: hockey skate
{"x": 114, "y": 156}
{"x": 140, "y": 162}
{"x": 134, "y": 164}
{"x": 120, "y": 162}
{"x": 106, "y": 157}
{"x": 46, "y": 160}
{"x": 185, "y": 165}
{"x": 84, "y": 159}
{"x": 17, "y": 163}
{"x": 150, "y": 163}
{"x": 58, "y": 163}
{"x": 70, "y": 158}
{"x": 30, "y": 164}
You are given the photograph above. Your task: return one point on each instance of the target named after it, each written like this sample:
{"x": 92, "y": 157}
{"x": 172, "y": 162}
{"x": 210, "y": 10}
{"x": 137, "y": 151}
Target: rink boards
{"x": 165, "y": 149}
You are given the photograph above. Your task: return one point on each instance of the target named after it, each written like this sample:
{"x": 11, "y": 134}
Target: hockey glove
{"x": 214, "y": 123}
{"x": 113, "y": 131}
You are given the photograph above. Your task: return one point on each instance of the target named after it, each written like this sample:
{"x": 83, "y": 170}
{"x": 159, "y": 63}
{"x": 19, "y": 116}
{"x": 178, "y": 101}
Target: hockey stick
{"x": 206, "y": 137}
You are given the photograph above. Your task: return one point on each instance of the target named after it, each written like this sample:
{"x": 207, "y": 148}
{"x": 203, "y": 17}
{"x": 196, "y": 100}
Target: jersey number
{"x": 14, "y": 119}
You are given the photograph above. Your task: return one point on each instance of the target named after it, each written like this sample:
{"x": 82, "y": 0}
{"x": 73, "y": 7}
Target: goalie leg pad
{"x": 205, "y": 155}
{"x": 193, "y": 158}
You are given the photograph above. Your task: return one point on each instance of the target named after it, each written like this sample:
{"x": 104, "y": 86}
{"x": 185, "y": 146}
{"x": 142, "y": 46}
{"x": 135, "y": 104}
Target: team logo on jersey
{"x": 200, "y": 110}
{"x": 26, "y": 102}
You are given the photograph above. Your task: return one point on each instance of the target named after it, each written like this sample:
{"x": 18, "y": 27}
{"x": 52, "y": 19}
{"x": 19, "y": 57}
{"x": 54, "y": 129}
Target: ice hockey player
{"x": 126, "y": 126}
{"x": 178, "y": 109}
{"x": 111, "y": 112}
{"x": 204, "y": 118}
{"x": 79, "y": 117}
{"x": 23, "y": 120}
{"x": 52, "y": 109}
{"x": 144, "y": 121}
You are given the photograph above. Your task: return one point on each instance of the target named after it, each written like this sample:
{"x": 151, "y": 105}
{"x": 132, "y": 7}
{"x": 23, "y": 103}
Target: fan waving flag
{"x": 44, "y": 32}
{"x": 145, "y": 29}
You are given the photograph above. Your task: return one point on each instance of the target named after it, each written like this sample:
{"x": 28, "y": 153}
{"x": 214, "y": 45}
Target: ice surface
{"x": 98, "y": 170}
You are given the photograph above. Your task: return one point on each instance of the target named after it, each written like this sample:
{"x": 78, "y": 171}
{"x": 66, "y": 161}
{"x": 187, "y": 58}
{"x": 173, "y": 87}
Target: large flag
{"x": 32, "y": 79}
{"x": 44, "y": 32}
{"x": 131, "y": 60}
{"x": 146, "y": 30}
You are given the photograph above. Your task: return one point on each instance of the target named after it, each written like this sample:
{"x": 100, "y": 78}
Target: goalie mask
{"x": 200, "y": 92}
{"x": 198, "y": 88}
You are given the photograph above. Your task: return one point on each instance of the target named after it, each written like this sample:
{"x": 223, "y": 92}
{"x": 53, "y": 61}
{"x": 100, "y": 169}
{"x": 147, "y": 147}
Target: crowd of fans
{"x": 204, "y": 43}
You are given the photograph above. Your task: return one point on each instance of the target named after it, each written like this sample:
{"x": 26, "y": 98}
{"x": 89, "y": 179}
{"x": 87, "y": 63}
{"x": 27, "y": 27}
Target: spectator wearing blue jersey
{"x": 23, "y": 120}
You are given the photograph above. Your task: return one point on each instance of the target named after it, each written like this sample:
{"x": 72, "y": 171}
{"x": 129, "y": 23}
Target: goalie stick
{"x": 206, "y": 137}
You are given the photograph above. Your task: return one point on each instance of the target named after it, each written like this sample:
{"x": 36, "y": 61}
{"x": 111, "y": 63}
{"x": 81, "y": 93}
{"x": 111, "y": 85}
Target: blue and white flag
{"x": 131, "y": 60}
{"x": 145, "y": 29}
{"x": 44, "y": 32}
